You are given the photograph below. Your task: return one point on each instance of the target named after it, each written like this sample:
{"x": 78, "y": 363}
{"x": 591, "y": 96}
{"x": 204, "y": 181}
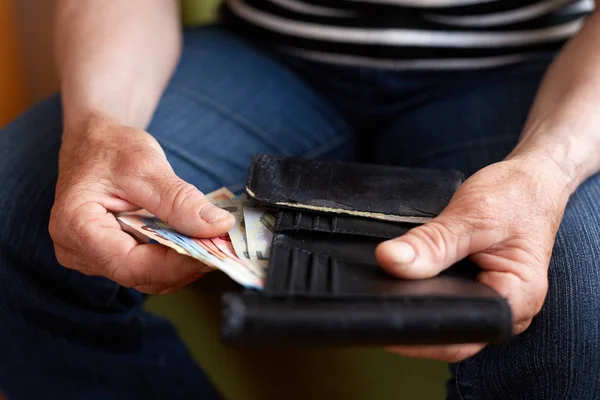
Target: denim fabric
{"x": 67, "y": 335}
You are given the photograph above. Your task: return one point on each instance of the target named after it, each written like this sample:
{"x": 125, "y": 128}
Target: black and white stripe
{"x": 412, "y": 34}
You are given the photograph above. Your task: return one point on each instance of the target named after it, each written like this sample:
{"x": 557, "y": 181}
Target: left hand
{"x": 505, "y": 218}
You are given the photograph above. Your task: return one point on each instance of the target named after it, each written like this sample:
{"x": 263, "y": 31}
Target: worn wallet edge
{"x": 328, "y": 210}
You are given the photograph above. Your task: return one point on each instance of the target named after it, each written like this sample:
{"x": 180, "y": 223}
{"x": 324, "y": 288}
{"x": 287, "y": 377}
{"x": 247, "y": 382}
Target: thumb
{"x": 426, "y": 250}
{"x": 181, "y": 205}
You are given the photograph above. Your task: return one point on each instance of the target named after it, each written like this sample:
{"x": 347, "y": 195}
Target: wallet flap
{"x": 364, "y": 190}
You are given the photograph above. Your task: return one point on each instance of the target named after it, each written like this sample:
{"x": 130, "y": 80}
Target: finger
{"x": 449, "y": 353}
{"x": 426, "y": 250}
{"x": 180, "y": 204}
{"x": 155, "y": 269}
{"x": 161, "y": 288}
{"x": 158, "y": 289}
{"x": 525, "y": 297}
{"x": 102, "y": 248}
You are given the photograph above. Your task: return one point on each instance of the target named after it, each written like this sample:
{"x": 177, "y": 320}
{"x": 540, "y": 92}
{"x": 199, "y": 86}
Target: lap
{"x": 461, "y": 121}
{"x": 226, "y": 102}
{"x": 466, "y": 125}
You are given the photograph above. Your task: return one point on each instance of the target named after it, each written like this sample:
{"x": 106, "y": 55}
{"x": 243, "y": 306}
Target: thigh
{"x": 470, "y": 123}
{"x": 79, "y": 336}
{"x": 558, "y": 356}
{"x": 230, "y": 100}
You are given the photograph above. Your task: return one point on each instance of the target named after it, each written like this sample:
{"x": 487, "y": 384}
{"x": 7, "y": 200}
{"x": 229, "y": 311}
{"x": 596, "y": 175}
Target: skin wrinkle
{"x": 183, "y": 192}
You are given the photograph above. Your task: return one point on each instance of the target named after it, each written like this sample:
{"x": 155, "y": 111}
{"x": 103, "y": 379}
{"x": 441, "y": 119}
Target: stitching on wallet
{"x": 334, "y": 223}
{"x": 316, "y": 222}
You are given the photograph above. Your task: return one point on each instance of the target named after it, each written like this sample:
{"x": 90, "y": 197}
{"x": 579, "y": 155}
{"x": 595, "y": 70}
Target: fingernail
{"x": 402, "y": 254}
{"x": 212, "y": 214}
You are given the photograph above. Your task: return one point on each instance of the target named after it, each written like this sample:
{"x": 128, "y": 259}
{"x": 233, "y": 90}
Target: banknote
{"x": 215, "y": 252}
{"x": 219, "y": 195}
{"x": 259, "y": 224}
{"x": 204, "y": 250}
{"x": 237, "y": 234}
{"x": 225, "y": 244}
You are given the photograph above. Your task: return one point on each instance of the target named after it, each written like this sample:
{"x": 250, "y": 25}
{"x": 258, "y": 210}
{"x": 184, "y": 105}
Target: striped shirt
{"x": 412, "y": 34}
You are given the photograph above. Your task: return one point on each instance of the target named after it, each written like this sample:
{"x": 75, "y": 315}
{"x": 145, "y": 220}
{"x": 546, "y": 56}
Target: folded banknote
{"x": 242, "y": 253}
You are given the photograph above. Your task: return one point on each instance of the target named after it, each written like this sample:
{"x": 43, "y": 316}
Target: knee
{"x": 29, "y": 160}
{"x": 572, "y": 308}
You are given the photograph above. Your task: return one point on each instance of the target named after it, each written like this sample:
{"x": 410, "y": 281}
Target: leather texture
{"x": 375, "y": 191}
{"x": 251, "y": 319}
{"x": 324, "y": 285}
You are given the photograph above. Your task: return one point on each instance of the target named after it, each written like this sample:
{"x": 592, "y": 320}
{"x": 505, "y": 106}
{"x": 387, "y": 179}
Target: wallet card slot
{"x": 292, "y": 220}
{"x": 299, "y": 272}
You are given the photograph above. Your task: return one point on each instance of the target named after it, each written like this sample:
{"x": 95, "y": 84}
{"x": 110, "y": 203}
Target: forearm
{"x": 115, "y": 57}
{"x": 564, "y": 123}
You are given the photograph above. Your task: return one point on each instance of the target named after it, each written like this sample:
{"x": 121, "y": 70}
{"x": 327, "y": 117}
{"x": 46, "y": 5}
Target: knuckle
{"x": 154, "y": 288}
{"x": 119, "y": 273}
{"x": 85, "y": 233}
{"x": 453, "y": 357}
{"x": 61, "y": 257}
{"x": 54, "y": 230}
{"x": 538, "y": 297}
{"x": 486, "y": 201}
{"x": 435, "y": 235}
{"x": 486, "y": 213}
{"x": 441, "y": 237}
{"x": 57, "y": 224}
{"x": 178, "y": 193}
{"x": 108, "y": 268}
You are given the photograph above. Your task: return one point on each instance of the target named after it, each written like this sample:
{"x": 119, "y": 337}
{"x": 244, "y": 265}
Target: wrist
{"x": 558, "y": 153}
{"x": 554, "y": 176}
{"x": 80, "y": 107}
{"x": 86, "y": 125}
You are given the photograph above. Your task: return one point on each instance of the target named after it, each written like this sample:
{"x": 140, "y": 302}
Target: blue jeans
{"x": 76, "y": 336}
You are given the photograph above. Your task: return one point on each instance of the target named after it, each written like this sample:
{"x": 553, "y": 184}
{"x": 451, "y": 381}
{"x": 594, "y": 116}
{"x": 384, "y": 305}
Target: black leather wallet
{"x": 323, "y": 284}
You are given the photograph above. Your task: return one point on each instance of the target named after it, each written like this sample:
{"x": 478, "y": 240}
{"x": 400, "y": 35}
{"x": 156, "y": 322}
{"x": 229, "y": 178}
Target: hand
{"x": 106, "y": 167}
{"x": 505, "y": 218}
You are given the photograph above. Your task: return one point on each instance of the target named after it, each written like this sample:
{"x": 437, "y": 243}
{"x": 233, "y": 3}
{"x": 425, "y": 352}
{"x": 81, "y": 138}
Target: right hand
{"x": 106, "y": 167}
